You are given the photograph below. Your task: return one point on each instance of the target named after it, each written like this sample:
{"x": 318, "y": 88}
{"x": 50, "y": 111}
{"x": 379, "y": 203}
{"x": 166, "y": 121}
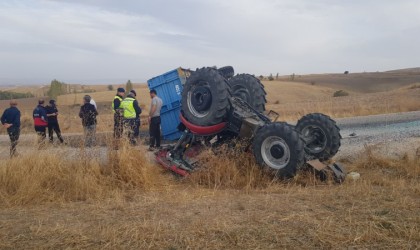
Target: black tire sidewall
{"x": 253, "y": 86}
{"x": 293, "y": 141}
{"x": 330, "y": 130}
{"x": 219, "y": 90}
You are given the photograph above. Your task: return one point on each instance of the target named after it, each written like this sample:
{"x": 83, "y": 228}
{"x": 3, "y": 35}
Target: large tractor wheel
{"x": 321, "y": 135}
{"x": 279, "y": 147}
{"x": 250, "y": 89}
{"x": 227, "y": 71}
{"x": 205, "y": 97}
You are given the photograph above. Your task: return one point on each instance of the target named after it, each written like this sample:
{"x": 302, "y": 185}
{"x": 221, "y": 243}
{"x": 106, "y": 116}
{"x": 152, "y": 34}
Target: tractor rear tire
{"x": 321, "y": 135}
{"x": 249, "y": 89}
{"x": 205, "y": 97}
{"x": 279, "y": 147}
{"x": 227, "y": 72}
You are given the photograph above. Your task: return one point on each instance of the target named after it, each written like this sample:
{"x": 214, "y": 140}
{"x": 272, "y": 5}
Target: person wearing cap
{"x": 154, "y": 120}
{"x": 40, "y": 121}
{"x": 118, "y": 113}
{"x": 11, "y": 121}
{"x": 88, "y": 114}
{"x": 131, "y": 113}
{"x": 52, "y": 114}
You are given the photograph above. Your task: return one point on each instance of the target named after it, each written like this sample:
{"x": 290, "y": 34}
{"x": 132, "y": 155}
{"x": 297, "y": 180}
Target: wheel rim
{"x": 275, "y": 152}
{"x": 315, "y": 139}
{"x": 199, "y": 100}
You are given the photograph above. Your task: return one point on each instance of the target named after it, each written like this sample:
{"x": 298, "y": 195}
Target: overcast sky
{"x": 107, "y": 41}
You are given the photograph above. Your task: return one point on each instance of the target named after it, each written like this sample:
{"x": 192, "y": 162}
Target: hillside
{"x": 362, "y": 82}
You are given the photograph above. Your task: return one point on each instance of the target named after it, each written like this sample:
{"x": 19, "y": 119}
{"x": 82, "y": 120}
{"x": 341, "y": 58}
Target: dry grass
{"x": 229, "y": 169}
{"x": 293, "y": 100}
{"x": 43, "y": 176}
{"x": 47, "y": 203}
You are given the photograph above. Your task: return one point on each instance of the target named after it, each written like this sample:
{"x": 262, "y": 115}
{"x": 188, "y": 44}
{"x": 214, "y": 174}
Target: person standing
{"x": 53, "y": 126}
{"x": 154, "y": 120}
{"x": 11, "y": 121}
{"x": 88, "y": 114}
{"x": 131, "y": 113}
{"x": 40, "y": 121}
{"x": 118, "y": 113}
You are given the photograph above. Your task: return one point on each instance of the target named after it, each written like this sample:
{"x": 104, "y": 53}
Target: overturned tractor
{"x": 218, "y": 108}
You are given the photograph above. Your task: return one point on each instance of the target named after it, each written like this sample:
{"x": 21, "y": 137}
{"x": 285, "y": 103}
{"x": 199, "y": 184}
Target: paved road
{"x": 398, "y": 133}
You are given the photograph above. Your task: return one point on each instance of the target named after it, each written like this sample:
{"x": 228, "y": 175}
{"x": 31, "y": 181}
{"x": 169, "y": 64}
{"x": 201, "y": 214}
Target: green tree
{"x": 56, "y": 88}
{"x": 128, "y": 86}
{"x": 110, "y": 87}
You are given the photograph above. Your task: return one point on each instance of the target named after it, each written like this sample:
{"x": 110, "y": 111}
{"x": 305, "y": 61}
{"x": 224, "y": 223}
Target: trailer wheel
{"x": 321, "y": 135}
{"x": 227, "y": 71}
{"x": 205, "y": 97}
{"x": 279, "y": 147}
{"x": 249, "y": 89}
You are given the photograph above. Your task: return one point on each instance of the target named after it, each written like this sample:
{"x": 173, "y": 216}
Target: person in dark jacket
{"x": 88, "y": 114}
{"x": 52, "y": 114}
{"x": 118, "y": 113}
{"x": 40, "y": 121}
{"x": 131, "y": 114}
{"x": 11, "y": 121}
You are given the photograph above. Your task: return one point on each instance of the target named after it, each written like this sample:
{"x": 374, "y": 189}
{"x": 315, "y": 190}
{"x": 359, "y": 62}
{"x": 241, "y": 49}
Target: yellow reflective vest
{"x": 119, "y": 98}
{"x": 128, "y": 106}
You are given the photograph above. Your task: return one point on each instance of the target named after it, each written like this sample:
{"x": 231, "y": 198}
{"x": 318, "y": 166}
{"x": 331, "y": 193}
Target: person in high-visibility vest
{"x": 118, "y": 113}
{"x": 131, "y": 113}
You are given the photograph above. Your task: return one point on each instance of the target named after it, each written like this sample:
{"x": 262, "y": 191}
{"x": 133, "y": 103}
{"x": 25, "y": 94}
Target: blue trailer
{"x": 169, "y": 88}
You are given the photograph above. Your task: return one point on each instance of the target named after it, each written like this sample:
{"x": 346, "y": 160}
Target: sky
{"x": 109, "y": 41}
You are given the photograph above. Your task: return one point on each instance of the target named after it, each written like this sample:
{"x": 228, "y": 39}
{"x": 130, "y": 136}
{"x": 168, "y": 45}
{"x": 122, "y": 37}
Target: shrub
{"x": 7, "y": 95}
{"x": 339, "y": 93}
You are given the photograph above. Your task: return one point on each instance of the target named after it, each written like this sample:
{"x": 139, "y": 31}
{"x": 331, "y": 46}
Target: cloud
{"x": 91, "y": 39}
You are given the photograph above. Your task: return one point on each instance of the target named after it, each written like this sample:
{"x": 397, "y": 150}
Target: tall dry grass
{"x": 132, "y": 208}
{"x": 118, "y": 199}
{"x": 69, "y": 175}
{"x": 229, "y": 168}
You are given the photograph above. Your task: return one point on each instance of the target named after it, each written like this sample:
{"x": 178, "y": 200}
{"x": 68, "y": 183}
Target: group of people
{"x": 127, "y": 117}
{"x": 126, "y": 111}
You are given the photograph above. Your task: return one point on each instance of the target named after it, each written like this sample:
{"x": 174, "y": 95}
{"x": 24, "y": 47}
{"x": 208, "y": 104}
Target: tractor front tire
{"x": 321, "y": 135}
{"x": 205, "y": 97}
{"x": 279, "y": 147}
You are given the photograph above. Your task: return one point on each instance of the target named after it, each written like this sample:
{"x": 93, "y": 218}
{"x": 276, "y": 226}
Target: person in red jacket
{"x": 40, "y": 121}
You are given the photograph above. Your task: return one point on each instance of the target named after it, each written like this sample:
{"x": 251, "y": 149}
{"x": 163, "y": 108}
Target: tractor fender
{"x": 203, "y": 130}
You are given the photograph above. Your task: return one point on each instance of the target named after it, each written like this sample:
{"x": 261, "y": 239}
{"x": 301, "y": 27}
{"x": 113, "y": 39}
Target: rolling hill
{"x": 366, "y": 82}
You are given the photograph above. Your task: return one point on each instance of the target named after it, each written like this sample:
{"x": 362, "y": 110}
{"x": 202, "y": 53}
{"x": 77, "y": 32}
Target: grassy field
{"x": 46, "y": 202}
{"x": 293, "y": 99}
